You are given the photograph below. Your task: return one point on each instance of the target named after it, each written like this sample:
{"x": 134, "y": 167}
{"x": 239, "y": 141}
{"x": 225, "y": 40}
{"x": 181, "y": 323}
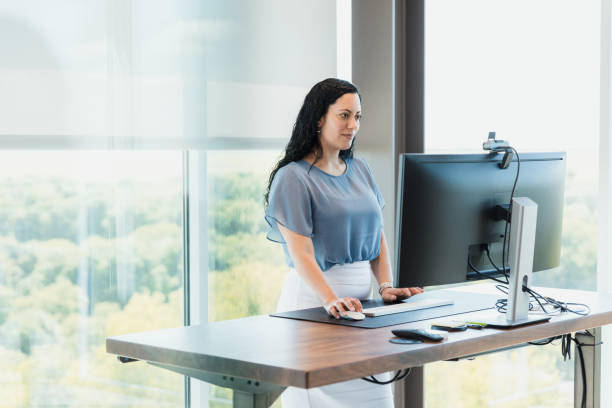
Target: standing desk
{"x": 259, "y": 356}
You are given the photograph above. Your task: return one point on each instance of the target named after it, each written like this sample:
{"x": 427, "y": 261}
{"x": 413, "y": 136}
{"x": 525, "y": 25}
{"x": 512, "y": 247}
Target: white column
{"x": 604, "y": 249}
{"x": 344, "y": 46}
{"x": 198, "y": 257}
{"x": 373, "y": 75}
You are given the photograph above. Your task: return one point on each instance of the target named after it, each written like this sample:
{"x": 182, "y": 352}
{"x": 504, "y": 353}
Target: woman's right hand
{"x": 340, "y": 305}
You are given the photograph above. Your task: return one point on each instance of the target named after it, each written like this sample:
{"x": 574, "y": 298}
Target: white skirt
{"x": 349, "y": 280}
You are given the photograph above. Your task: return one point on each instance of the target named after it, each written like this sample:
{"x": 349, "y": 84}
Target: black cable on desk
{"x": 542, "y": 301}
{"x": 398, "y": 376}
{"x": 501, "y": 304}
{"x": 526, "y": 289}
{"x": 544, "y": 342}
{"x": 562, "y": 306}
{"x": 482, "y": 274}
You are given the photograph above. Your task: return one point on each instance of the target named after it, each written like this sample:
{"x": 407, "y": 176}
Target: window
{"x": 530, "y": 72}
{"x": 127, "y": 102}
{"x": 90, "y": 247}
{"x": 246, "y": 270}
{"x": 255, "y": 82}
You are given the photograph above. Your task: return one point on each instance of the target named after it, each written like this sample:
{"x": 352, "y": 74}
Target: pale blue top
{"x": 342, "y": 214}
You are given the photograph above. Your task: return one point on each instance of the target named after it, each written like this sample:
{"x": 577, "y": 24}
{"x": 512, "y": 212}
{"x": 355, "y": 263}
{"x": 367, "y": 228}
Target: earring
{"x": 318, "y": 131}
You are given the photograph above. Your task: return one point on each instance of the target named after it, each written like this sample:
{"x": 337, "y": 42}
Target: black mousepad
{"x": 464, "y": 302}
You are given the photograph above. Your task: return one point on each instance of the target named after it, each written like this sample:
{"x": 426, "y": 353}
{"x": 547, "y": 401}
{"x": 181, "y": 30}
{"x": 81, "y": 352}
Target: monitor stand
{"x": 501, "y": 322}
{"x": 522, "y": 243}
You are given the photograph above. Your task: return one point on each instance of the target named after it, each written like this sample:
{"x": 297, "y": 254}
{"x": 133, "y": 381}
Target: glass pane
{"x": 158, "y": 73}
{"x": 246, "y": 271}
{"x": 538, "y": 88}
{"x": 98, "y": 70}
{"x": 529, "y": 377}
{"x": 258, "y": 68}
{"x": 529, "y": 71}
{"x": 255, "y": 71}
{"x": 90, "y": 247}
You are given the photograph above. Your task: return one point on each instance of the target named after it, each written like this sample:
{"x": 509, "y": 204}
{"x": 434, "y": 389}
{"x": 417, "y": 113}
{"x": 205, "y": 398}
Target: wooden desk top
{"x": 306, "y": 354}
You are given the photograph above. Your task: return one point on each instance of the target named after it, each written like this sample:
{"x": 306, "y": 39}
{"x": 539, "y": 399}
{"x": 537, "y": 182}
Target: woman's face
{"x": 341, "y": 123}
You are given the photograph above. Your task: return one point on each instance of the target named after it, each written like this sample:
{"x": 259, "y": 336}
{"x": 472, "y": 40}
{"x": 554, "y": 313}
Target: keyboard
{"x": 406, "y": 306}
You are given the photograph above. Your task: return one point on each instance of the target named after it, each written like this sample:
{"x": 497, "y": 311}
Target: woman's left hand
{"x": 393, "y": 294}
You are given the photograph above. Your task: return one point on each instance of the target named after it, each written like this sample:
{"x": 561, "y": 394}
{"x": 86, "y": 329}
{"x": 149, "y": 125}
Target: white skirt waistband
{"x": 357, "y": 273}
{"x": 349, "y": 280}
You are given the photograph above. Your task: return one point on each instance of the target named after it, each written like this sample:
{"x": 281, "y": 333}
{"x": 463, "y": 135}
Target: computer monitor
{"x": 445, "y": 213}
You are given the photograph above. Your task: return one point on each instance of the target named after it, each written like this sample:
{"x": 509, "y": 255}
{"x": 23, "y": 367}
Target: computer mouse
{"x": 348, "y": 315}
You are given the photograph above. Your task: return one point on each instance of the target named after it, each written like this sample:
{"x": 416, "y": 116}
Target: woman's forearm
{"x": 381, "y": 265}
{"x": 301, "y": 251}
{"x": 310, "y": 272}
{"x": 381, "y": 268}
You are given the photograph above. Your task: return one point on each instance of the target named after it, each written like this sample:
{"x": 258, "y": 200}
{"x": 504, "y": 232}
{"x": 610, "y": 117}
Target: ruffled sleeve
{"x": 379, "y": 197}
{"x": 289, "y": 204}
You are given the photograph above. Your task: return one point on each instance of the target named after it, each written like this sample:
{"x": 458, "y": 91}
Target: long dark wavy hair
{"x": 305, "y": 137}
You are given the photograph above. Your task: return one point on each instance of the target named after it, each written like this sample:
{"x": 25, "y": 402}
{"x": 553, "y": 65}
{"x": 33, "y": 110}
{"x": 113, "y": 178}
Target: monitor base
{"x": 500, "y": 321}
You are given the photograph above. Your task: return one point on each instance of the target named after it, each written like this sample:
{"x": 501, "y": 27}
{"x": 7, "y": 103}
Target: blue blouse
{"x": 342, "y": 214}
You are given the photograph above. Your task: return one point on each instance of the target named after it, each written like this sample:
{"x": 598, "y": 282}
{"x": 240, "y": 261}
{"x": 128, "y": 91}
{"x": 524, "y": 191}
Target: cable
{"x": 542, "y": 301}
{"x": 545, "y": 341}
{"x": 526, "y": 289}
{"x": 506, "y": 233}
{"x": 397, "y": 377}
{"x": 482, "y": 274}
{"x": 562, "y": 306}
{"x": 501, "y": 304}
{"x": 503, "y": 289}
{"x": 373, "y": 379}
{"x": 566, "y": 352}
{"x": 583, "y": 370}
{"x": 493, "y": 263}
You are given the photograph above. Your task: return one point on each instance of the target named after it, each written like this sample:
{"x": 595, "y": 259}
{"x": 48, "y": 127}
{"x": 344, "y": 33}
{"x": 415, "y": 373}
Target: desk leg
{"x": 592, "y": 365}
{"x": 248, "y": 393}
{"x": 249, "y": 400}
{"x": 410, "y": 392}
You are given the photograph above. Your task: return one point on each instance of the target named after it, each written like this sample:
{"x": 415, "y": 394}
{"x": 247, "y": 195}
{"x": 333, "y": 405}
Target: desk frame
{"x": 250, "y": 393}
{"x": 285, "y": 352}
{"x": 414, "y": 385}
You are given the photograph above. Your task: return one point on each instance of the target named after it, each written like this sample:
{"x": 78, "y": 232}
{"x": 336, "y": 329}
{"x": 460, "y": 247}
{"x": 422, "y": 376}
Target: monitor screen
{"x": 446, "y": 206}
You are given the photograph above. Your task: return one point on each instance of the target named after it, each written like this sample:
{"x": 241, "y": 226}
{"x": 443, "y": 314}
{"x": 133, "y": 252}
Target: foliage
{"x": 492, "y": 380}
{"x": 247, "y": 289}
{"x": 39, "y": 208}
{"x": 79, "y": 263}
{"x": 230, "y": 251}
{"x": 578, "y": 266}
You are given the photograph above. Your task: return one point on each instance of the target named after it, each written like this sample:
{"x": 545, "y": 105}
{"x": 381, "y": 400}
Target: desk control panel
{"x": 407, "y": 306}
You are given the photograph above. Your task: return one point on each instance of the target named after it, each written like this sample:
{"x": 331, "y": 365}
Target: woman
{"x": 323, "y": 205}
